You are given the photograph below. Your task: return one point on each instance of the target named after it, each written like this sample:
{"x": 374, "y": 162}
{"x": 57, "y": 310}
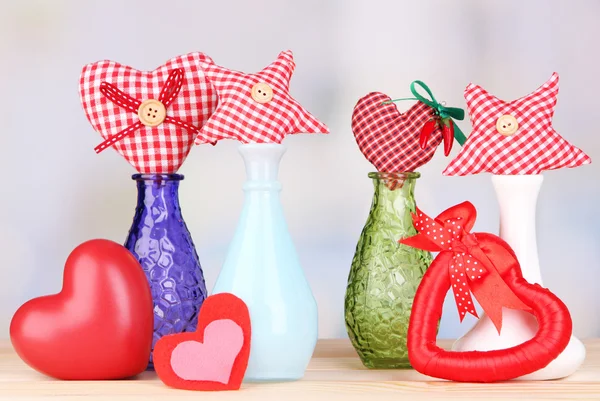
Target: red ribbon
{"x": 167, "y": 95}
{"x": 471, "y": 271}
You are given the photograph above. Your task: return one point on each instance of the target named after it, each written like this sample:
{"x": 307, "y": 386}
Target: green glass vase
{"x": 385, "y": 275}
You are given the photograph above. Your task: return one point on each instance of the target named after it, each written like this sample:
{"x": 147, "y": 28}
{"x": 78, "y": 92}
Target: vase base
{"x": 564, "y": 365}
{"x": 271, "y": 379}
{"x": 386, "y": 363}
{"x": 518, "y": 327}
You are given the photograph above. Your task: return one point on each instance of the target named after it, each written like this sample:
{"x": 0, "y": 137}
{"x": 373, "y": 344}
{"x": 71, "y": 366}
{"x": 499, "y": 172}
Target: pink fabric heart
{"x": 213, "y": 359}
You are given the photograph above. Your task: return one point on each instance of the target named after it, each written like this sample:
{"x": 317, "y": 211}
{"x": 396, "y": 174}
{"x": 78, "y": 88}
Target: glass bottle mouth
{"x": 157, "y": 177}
{"x": 394, "y": 180}
{"x": 384, "y": 176}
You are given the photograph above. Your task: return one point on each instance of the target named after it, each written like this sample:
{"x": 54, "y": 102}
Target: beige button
{"x": 507, "y": 125}
{"x": 262, "y": 92}
{"x": 152, "y": 112}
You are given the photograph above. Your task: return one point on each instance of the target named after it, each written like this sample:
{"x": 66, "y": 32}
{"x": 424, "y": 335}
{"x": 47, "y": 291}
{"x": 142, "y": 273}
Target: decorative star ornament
{"x": 514, "y": 138}
{"x": 256, "y": 108}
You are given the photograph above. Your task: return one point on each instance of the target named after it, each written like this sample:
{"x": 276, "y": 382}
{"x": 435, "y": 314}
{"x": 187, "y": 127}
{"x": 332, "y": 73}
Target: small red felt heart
{"x": 152, "y": 148}
{"x": 99, "y": 327}
{"x": 215, "y": 357}
{"x": 390, "y": 139}
{"x": 553, "y": 317}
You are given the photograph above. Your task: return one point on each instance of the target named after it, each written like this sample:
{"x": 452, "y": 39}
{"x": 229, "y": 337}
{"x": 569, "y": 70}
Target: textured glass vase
{"x": 161, "y": 242}
{"x": 262, "y": 268}
{"x": 385, "y": 275}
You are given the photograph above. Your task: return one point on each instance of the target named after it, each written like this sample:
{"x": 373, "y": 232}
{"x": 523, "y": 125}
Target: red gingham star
{"x": 532, "y": 148}
{"x": 111, "y": 94}
{"x": 244, "y": 115}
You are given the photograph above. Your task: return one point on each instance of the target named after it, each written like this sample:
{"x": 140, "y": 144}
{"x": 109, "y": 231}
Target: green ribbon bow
{"x": 452, "y": 113}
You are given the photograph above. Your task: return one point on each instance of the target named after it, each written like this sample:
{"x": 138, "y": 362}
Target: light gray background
{"x": 57, "y": 193}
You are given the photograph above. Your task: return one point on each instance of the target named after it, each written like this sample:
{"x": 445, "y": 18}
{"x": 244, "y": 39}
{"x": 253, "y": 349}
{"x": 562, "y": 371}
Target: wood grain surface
{"x": 335, "y": 372}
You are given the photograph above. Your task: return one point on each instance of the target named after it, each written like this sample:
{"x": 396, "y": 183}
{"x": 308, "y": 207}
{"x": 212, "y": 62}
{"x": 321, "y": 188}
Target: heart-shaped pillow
{"x": 483, "y": 257}
{"x": 390, "y": 139}
{"x": 99, "y": 327}
{"x": 215, "y": 357}
{"x": 150, "y": 118}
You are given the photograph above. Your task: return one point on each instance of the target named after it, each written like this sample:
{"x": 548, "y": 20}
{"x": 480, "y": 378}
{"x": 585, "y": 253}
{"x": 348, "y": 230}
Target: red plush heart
{"x": 390, "y": 139}
{"x": 553, "y": 317}
{"x": 215, "y": 357}
{"x": 99, "y": 327}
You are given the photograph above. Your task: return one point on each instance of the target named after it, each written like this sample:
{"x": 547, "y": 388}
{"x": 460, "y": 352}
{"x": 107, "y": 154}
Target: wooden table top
{"x": 335, "y": 372}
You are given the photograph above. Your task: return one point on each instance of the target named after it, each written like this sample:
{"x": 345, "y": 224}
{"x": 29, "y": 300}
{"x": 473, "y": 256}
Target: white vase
{"x": 263, "y": 269}
{"x": 517, "y": 197}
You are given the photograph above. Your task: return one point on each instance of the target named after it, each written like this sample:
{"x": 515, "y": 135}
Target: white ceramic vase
{"x": 517, "y": 196}
{"x": 263, "y": 269}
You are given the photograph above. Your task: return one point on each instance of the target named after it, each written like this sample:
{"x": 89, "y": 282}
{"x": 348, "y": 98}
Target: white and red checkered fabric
{"x": 390, "y": 139}
{"x": 239, "y": 116}
{"x": 535, "y": 147}
{"x": 151, "y": 150}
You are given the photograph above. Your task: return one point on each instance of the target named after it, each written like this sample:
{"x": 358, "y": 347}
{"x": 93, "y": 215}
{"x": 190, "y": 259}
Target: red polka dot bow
{"x": 471, "y": 271}
{"x": 151, "y": 118}
{"x": 256, "y": 108}
{"x": 517, "y": 137}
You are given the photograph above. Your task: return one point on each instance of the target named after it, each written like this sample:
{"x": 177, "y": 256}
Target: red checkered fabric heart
{"x": 512, "y": 138}
{"x": 390, "y": 139}
{"x": 256, "y": 108}
{"x": 113, "y": 96}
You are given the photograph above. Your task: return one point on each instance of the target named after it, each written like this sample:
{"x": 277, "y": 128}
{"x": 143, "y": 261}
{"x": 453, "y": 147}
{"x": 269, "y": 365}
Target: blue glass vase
{"x": 161, "y": 242}
{"x": 262, "y": 268}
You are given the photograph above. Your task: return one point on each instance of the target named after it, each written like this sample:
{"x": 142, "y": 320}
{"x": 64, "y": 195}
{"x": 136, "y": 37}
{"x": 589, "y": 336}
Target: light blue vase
{"x": 263, "y": 269}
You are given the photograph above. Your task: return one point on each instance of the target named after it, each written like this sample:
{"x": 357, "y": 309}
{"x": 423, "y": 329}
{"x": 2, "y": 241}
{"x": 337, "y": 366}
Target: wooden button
{"x": 262, "y": 93}
{"x": 152, "y": 112}
{"x": 507, "y": 125}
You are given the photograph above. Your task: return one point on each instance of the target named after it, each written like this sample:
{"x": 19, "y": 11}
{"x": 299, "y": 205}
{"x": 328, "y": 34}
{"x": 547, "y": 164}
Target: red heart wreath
{"x": 150, "y": 118}
{"x": 486, "y": 266}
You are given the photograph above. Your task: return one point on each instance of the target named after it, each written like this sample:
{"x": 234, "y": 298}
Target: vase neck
{"x": 262, "y": 165}
{"x": 392, "y": 207}
{"x": 393, "y": 195}
{"x": 159, "y": 192}
{"x": 517, "y": 198}
{"x": 394, "y": 199}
